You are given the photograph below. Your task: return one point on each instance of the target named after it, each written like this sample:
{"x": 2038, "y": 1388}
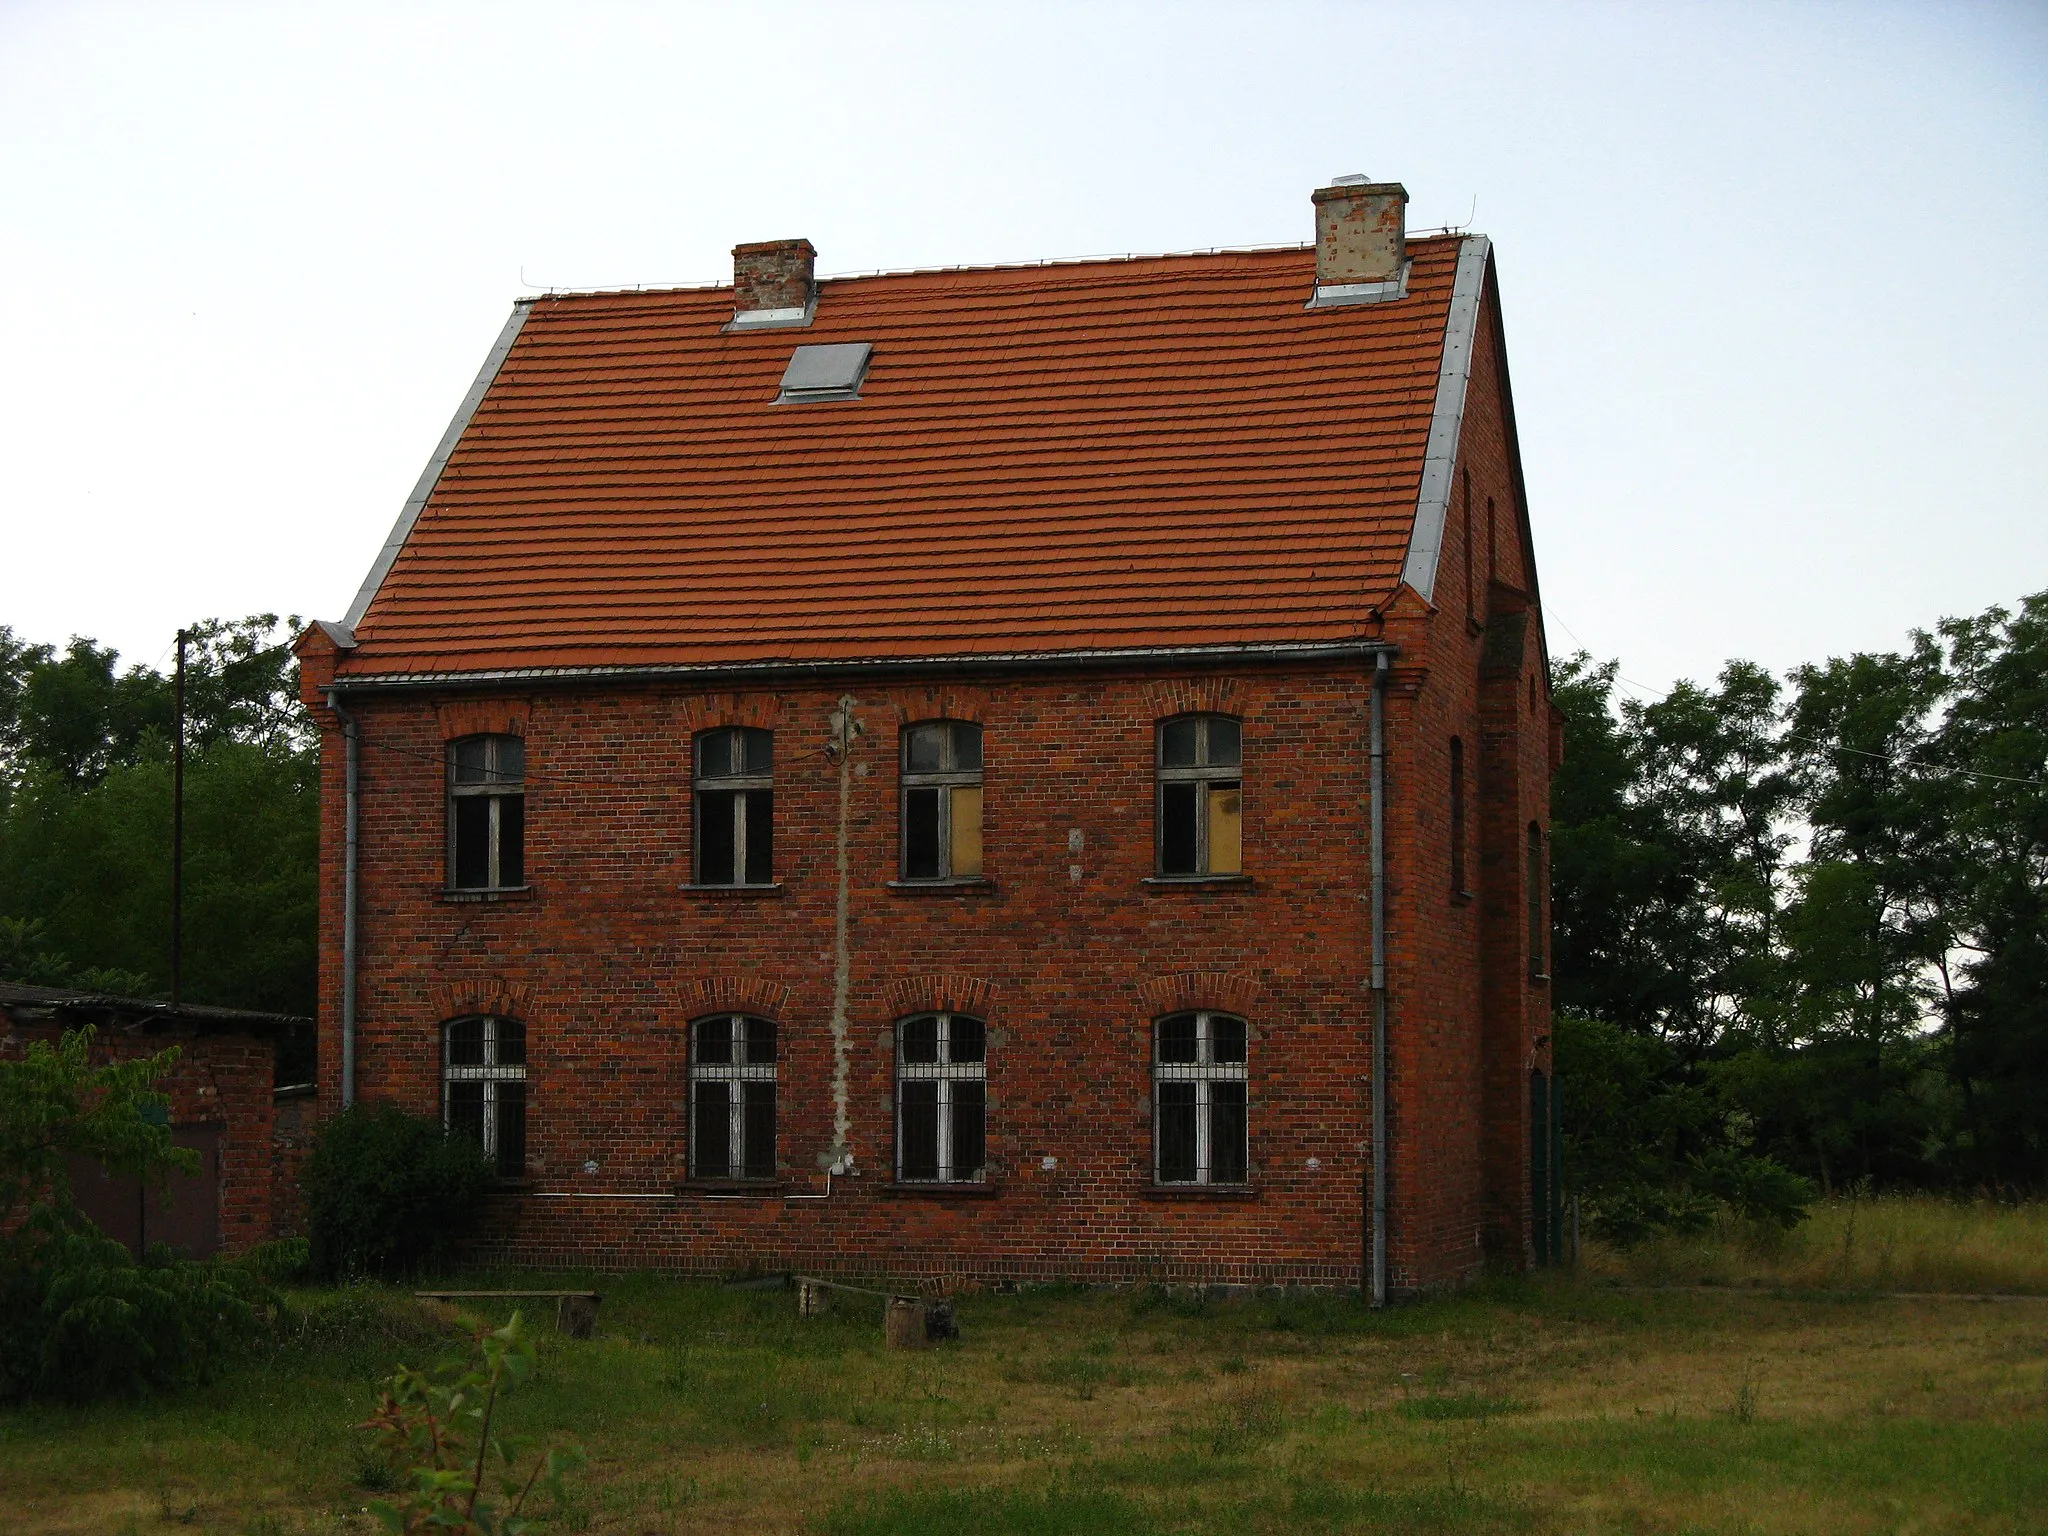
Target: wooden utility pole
{"x": 178, "y": 833}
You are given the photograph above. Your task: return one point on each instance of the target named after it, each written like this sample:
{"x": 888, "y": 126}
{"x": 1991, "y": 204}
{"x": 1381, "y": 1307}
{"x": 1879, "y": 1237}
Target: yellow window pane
{"x": 1226, "y": 831}
{"x": 966, "y": 831}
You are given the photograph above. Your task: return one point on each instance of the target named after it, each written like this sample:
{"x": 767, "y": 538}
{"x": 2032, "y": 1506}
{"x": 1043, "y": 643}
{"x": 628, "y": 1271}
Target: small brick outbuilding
{"x": 951, "y": 773}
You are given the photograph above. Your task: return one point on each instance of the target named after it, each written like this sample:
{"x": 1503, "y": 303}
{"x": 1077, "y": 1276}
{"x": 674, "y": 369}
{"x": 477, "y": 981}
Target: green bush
{"x": 387, "y": 1192}
{"x": 81, "y": 1319}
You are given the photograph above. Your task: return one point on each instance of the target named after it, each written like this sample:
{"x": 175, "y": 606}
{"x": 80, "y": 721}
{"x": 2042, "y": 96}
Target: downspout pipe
{"x": 1378, "y": 1257}
{"x": 352, "y": 758}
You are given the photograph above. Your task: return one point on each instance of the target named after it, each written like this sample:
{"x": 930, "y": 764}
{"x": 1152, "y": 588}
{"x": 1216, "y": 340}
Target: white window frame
{"x": 946, "y": 778}
{"x": 491, "y": 1072}
{"x": 733, "y": 1074}
{"x": 1202, "y": 773}
{"x": 945, "y": 1072}
{"x": 1204, "y": 1072}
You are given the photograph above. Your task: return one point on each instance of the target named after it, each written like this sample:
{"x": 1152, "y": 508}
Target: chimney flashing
{"x": 1345, "y": 295}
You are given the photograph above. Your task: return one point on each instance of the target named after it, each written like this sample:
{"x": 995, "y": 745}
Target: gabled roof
{"x": 1104, "y": 456}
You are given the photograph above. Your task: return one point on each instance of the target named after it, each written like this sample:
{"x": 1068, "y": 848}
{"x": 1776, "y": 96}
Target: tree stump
{"x": 905, "y": 1326}
{"x": 577, "y": 1316}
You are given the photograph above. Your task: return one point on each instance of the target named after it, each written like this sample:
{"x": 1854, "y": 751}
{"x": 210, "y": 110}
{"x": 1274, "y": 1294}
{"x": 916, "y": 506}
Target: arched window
{"x": 1538, "y": 929}
{"x": 483, "y": 1087}
{"x": 486, "y": 813}
{"x": 1458, "y": 818}
{"x": 942, "y": 1099}
{"x": 736, "y": 807}
{"x": 942, "y": 801}
{"x": 1200, "y": 815}
{"x": 1200, "y": 1124}
{"x": 732, "y": 1098}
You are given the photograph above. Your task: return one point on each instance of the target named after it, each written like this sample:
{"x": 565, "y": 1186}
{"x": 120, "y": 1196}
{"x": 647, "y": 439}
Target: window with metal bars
{"x": 735, "y": 807}
{"x": 1201, "y": 1126}
{"x": 1201, "y": 796}
{"x": 483, "y": 1087}
{"x": 487, "y": 813}
{"x": 942, "y": 1099}
{"x": 942, "y": 801}
{"x": 732, "y": 1098}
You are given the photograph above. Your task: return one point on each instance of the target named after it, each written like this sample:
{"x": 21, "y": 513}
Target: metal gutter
{"x": 1377, "y": 1258}
{"x": 1432, "y": 504}
{"x": 348, "y": 897}
{"x": 431, "y": 475}
{"x": 766, "y": 671}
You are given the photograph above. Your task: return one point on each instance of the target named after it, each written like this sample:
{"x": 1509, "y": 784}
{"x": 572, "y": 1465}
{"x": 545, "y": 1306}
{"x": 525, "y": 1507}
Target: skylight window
{"x": 825, "y": 371}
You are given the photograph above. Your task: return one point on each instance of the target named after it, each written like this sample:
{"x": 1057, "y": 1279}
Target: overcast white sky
{"x": 1773, "y": 273}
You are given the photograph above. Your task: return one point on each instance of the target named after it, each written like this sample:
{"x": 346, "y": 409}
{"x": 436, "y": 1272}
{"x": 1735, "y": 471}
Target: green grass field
{"x": 1559, "y": 1404}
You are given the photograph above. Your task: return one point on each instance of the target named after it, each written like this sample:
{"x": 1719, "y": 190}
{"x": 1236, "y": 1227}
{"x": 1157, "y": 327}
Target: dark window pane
{"x": 966, "y": 747}
{"x": 923, "y": 748}
{"x": 1227, "y": 1133}
{"x": 1177, "y": 1038}
{"x": 511, "y": 1043}
{"x": 970, "y": 1127}
{"x": 1226, "y": 1039}
{"x": 472, "y": 842}
{"x": 466, "y": 1043}
{"x": 760, "y": 813}
{"x": 466, "y": 1111}
{"x": 760, "y": 751}
{"x": 968, "y": 1039}
{"x": 511, "y": 1130}
{"x": 760, "y": 1042}
{"x": 714, "y": 755}
{"x": 511, "y": 839}
{"x": 921, "y": 834}
{"x": 1177, "y": 744}
{"x": 917, "y": 1130}
{"x": 921, "y": 1039}
{"x": 711, "y": 1131}
{"x": 714, "y": 1041}
{"x": 472, "y": 759}
{"x": 511, "y": 767}
{"x": 1225, "y": 746}
{"x": 714, "y": 836}
{"x": 1176, "y": 1133}
{"x": 1179, "y": 810}
{"x": 758, "y": 1130}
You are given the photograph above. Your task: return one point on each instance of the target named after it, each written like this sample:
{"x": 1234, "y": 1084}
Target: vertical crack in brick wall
{"x": 845, "y": 730}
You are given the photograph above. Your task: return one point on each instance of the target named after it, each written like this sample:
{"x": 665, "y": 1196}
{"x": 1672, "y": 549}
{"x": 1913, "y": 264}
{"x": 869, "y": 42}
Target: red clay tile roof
{"x": 1153, "y": 452}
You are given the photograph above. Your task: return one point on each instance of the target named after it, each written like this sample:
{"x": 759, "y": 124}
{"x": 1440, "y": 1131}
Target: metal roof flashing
{"x": 1344, "y": 295}
{"x": 409, "y": 514}
{"x": 1447, "y": 420}
{"x": 792, "y": 319}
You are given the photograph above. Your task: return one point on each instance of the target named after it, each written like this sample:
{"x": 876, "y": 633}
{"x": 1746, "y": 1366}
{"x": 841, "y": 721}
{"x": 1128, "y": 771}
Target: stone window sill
{"x": 1198, "y": 882}
{"x": 728, "y": 1189}
{"x": 916, "y": 1190}
{"x": 1199, "y": 1192}
{"x": 733, "y": 890}
{"x": 490, "y": 894}
{"x": 970, "y": 886}
{"x": 1461, "y": 898}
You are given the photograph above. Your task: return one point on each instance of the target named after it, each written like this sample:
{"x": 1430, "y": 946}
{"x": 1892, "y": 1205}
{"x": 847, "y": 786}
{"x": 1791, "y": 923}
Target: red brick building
{"x": 949, "y": 772}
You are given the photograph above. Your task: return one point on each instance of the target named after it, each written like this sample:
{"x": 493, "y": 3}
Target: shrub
{"x": 387, "y": 1192}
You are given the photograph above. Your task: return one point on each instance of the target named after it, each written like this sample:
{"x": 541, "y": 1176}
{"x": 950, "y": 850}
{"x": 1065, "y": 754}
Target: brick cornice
{"x": 457, "y": 998}
{"x": 939, "y": 994}
{"x": 737, "y": 994}
{"x": 1229, "y": 991}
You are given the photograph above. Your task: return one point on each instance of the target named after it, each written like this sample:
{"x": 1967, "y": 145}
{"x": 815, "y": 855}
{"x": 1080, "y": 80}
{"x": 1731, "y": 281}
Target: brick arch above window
{"x": 736, "y": 994}
{"x": 710, "y": 712}
{"x": 1197, "y": 696}
{"x": 498, "y": 996}
{"x": 939, "y": 994}
{"x": 913, "y": 706}
{"x": 483, "y": 717}
{"x": 1184, "y": 991}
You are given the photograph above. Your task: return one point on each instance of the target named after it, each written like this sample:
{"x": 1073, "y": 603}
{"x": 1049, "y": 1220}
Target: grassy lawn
{"x": 1558, "y": 1404}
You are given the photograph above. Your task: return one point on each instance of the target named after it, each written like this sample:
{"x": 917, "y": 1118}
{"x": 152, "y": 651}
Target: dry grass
{"x": 1890, "y": 1243}
{"x": 1561, "y": 1405}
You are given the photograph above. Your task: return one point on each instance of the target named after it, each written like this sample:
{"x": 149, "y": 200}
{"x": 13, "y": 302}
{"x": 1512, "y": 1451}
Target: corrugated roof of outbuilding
{"x": 1137, "y": 453}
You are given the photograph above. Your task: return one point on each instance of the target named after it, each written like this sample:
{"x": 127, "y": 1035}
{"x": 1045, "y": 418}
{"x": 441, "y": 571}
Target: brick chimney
{"x": 1361, "y": 232}
{"x": 774, "y": 282}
